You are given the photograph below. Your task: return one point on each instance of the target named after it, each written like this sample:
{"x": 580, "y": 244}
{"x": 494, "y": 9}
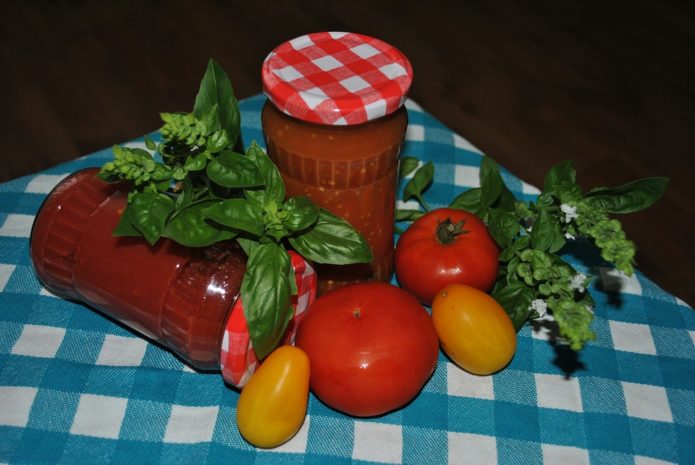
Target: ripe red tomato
{"x": 371, "y": 347}
{"x": 445, "y": 246}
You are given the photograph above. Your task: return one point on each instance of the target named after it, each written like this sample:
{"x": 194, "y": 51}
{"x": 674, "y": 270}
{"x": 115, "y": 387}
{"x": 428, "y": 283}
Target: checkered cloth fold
{"x": 78, "y": 388}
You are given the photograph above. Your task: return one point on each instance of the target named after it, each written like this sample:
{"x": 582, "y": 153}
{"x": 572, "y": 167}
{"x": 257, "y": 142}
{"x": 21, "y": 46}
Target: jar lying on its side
{"x": 334, "y": 123}
{"x": 185, "y": 298}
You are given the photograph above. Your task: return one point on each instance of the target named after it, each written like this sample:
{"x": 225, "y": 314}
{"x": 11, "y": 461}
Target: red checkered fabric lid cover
{"x": 238, "y": 360}
{"x": 336, "y": 78}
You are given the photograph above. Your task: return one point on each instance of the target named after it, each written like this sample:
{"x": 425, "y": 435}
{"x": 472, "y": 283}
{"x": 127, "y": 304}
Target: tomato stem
{"x": 447, "y": 231}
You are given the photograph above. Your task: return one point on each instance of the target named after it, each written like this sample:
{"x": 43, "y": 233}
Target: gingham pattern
{"x": 336, "y": 78}
{"x": 77, "y": 388}
{"x": 238, "y": 360}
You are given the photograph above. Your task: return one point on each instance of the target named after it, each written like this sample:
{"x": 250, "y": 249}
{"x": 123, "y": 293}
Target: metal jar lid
{"x": 336, "y": 78}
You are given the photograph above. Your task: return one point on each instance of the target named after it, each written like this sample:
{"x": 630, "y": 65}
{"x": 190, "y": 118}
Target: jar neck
{"x": 399, "y": 113}
{"x": 328, "y": 142}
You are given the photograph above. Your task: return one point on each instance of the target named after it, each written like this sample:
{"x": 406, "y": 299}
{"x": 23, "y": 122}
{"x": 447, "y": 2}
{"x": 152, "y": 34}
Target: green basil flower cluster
{"x": 533, "y": 278}
{"x": 561, "y": 289}
{"x": 185, "y": 128}
{"x": 135, "y": 165}
{"x": 608, "y": 235}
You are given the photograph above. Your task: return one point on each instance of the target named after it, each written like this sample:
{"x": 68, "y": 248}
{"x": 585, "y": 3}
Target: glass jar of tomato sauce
{"x": 334, "y": 123}
{"x": 187, "y": 299}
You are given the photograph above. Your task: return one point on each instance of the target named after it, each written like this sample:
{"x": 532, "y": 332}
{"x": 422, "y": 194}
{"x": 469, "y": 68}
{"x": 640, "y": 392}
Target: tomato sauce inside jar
{"x": 334, "y": 123}
{"x": 175, "y": 295}
{"x": 185, "y": 298}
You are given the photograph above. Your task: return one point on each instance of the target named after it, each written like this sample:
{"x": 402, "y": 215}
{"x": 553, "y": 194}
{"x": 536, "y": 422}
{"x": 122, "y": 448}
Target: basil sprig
{"x": 205, "y": 191}
{"x": 533, "y": 279}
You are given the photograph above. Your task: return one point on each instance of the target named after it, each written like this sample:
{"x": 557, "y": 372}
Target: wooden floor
{"x": 610, "y": 85}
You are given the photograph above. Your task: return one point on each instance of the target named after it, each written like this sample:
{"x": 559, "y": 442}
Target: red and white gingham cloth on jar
{"x": 336, "y": 78}
{"x": 238, "y": 360}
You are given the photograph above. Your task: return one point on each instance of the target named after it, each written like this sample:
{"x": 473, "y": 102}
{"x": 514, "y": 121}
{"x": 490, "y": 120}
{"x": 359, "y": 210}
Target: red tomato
{"x": 445, "y": 246}
{"x": 371, "y": 346}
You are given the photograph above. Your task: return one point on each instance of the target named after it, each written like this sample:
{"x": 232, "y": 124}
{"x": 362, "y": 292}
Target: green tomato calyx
{"x": 447, "y": 231}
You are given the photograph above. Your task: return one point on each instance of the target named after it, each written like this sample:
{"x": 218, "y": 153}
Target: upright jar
{"x": 185, "y": 298}
{"x": 334, "y": 123}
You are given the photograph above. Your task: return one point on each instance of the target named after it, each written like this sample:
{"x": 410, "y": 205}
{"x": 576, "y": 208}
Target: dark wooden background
{"x": 610, "y": 85}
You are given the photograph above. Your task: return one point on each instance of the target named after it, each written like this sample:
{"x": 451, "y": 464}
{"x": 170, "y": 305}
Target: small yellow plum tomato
{"x": 473, "y": 329}
{"x": 272, "y": 405}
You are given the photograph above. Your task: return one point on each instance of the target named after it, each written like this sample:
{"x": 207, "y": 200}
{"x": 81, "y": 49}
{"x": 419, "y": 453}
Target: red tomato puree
{"x": 349, "y": 170}
{"x": 175, "y": 295}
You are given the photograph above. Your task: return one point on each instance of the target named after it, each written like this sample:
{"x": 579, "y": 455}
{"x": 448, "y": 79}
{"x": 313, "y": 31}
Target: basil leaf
{"x": 149, "y": 212}
{"x": 143, "y": 155}
{"x": 506, "y": 201}
{"x": 559, "y": 240}
{"x": 274, "y": 190}
{"x": 512, "y": 267}
{"x": 161, "y": 173}
{"x": 301, "y": 213}
{"x": 418, "y": 183}
{"x": 210, "y": 119}
{"x": 546, "y": 233}
{"x": 185, "y": 196}
{"x": 468, "y": 200}
{"x": 265, "y": 293}
{"x": 150, "y": 144}
{"x": 562, "y": 173}
{"x": 408, "y": 215}
{"x": 231, "y": 169}
{"x": 332, "y": 240}
{"x": 196, "y": 162}
{"x": 191, "y": 228}
{"x": 515, "y": 298}
{"x": 406, "y": 166}
{"x": 218, "y": 141}
{"x": 491, "y": 183}
{"x": 216, "y": 89}
{"x": 507, "y": 254}
{"x": 560, "y": 181}
{"x": 247, "y": 244}
{"x": 494, "y": 192}
{"x": 125, "y": 226}
{"x": 179, "y": 173}
{"x": 503, "y": 226}
{"x": 522, "y": 243}
{"x": 628, "y": 198}
{"x": 545, "y": 200}
{"x": 237, "y": 214}
{"x": 293, "y": 281}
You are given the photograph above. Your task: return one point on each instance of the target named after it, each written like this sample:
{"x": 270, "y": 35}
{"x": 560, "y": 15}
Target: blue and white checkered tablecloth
{"x": 77, "y": 388}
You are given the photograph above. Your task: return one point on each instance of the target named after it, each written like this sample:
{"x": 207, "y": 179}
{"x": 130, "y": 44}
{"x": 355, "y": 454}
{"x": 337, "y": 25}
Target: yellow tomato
{"x": 272, "y": 405}
{"x": 473, "y": 329}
